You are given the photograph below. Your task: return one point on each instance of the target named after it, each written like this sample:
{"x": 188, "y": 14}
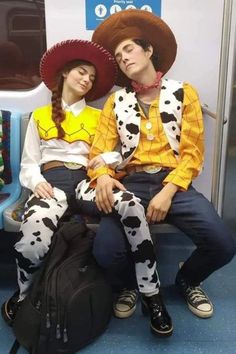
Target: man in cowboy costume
{"x": 157, "y": 124}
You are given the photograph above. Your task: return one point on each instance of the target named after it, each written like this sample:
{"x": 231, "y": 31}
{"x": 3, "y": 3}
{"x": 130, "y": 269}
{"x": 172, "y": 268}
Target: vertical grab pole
{"x": 220, "y": 112}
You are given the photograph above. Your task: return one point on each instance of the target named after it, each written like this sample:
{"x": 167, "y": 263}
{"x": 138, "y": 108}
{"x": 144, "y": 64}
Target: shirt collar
{"x": 76, "y": 108}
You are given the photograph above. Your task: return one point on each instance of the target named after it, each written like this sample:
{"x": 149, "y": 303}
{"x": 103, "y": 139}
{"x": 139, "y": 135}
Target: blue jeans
{"x": 191, "y": 212}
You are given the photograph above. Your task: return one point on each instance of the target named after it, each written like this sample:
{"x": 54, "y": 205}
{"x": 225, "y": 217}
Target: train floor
{"x": 216, "y": 335}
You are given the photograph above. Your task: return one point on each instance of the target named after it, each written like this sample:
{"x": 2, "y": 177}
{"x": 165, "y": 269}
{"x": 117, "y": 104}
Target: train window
{"x": 22, "y": 43}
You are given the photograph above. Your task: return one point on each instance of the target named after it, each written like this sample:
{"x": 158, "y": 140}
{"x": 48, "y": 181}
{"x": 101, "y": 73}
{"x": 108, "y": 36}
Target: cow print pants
{"x": 132, "y": 216}
{"x": 39, "y": 223}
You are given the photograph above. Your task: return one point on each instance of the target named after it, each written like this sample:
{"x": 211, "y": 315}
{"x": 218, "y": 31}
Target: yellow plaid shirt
{"x": 157, "y": 152}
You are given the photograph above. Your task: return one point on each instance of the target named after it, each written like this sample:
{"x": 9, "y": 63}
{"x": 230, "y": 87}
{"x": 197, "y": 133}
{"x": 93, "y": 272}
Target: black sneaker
{"x": 197, "y": 300}
{"x": 125, "y": 303}
{"x": 10, "y": 308}
{"x": 161, "y": 323}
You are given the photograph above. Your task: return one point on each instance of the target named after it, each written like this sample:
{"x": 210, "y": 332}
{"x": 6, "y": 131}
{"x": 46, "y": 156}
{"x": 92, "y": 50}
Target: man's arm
{"x": 105, "y": 140}
{"x": 190, "y": 158}
{"x": 191, "y": 149}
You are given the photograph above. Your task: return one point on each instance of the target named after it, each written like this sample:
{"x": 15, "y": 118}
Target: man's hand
{"x": 44, "y": 190}
{"x": 96, "y": 162}
{"x": 161, "y": 203}
{"x": 104, "y": 192}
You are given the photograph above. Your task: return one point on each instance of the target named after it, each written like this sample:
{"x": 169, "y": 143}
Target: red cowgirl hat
{"x": 55, "y": 58}
{"x": 137, "y": 24}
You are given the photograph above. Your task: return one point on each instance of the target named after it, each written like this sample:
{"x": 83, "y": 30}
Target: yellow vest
{"x": 81, "y": 127}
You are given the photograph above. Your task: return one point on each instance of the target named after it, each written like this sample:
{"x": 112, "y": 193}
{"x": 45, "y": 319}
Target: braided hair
{"x": 58, "y": 114}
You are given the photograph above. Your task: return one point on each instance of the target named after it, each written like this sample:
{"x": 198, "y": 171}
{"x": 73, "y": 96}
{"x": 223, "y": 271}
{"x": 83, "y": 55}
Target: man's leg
{"x": 112, "y": 253}
{"x": 193, "y": 214}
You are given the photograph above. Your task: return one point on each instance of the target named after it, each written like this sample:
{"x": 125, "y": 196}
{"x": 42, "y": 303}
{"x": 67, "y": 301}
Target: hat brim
{"x": 64, "y": 52}
{"x": 137, "y": 24}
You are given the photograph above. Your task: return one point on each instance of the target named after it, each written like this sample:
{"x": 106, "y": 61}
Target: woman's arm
{"x": 30, "y": 174}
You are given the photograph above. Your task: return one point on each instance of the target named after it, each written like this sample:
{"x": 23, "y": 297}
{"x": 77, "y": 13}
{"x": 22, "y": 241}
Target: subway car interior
{"x": 206, "y": 35}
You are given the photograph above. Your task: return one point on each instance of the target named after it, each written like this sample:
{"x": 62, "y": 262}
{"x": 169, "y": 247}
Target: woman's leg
{"x": 39, "y": 223}
{"x": 132, "y": 216}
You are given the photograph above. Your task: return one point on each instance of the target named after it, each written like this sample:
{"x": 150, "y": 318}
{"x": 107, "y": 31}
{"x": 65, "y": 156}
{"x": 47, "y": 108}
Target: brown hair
{"x": 145, "y": 45}
{"x": 58, "y": 115}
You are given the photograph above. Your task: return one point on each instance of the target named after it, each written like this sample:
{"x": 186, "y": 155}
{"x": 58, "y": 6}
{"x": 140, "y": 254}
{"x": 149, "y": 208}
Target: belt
{"x": 130, "y": 170}
{"x": 70, "y": 165}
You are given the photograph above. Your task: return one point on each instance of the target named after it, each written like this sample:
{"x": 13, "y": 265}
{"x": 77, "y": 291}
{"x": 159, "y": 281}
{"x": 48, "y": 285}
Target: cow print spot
{"x": 126, "y": 196}
{"x": 136, "y": 107}
{"x": 132, "y": 222}
{"x": 131, "y": 203}
{"x": 48, "y": 223}
{"x": 129, "y": 89}
{"x": 167, "y": 102}
{"x": 154, "y": 278}
{"x": 167, "y": 117}
{"x": 145, "y": 249}
{"x": 32, "y": 243}
{"x": 38, "y": 239}
{"x": 121, "y": 98}
{"x": 38, "y": 202}
{"x": 128, "y": 153}
{"x": 36, "y": 233}
{"x": 23, "y": 278}
{"x": 132, "y": 128}
{"x": 179, "y": 94}
{"x": 27, "y": 215}
{"x": 24, "y": 263}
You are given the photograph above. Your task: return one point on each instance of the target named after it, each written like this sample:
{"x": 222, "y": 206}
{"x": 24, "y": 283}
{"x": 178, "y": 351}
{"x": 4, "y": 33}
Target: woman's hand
{"x": 96, "y": 162}
{"x": 44, "y": 190}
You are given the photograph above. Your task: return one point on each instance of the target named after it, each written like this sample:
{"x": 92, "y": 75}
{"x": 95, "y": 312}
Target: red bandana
{"x": 140, "y": 87}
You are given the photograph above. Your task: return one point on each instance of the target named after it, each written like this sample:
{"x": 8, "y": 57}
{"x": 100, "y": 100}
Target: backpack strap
{"x": 15, "y": 347}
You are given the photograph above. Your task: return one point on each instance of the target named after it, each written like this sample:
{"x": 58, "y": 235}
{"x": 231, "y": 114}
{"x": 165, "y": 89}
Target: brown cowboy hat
{"x": 66, "y": 51}
{"x": 137, "y": 24}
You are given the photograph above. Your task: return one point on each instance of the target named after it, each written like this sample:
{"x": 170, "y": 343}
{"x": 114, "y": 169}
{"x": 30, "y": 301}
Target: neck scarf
{"x": 141, "y": 88}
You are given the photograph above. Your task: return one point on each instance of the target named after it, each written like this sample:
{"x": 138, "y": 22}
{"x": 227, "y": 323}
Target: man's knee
{"x": 109, "y": 257}
{"x": 224, "y": 248}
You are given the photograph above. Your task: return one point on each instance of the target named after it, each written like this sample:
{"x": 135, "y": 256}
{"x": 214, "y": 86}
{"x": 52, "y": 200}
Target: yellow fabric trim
{"x": 81, "y": 127}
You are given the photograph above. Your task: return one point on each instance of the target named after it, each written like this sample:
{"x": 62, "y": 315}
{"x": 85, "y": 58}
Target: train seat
{"x": 10, "y": 192}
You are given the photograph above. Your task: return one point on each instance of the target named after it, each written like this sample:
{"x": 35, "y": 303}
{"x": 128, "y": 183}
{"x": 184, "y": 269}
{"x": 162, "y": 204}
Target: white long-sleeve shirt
{"x": 37, "y": 151}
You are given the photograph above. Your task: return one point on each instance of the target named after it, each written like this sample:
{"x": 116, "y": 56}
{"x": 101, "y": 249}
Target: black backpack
{"x": 69, "y": 303}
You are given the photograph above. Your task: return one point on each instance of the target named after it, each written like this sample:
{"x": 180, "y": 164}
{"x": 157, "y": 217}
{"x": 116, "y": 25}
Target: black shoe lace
{"x": 127, "y": 296}
{"x": 196, "y": 294}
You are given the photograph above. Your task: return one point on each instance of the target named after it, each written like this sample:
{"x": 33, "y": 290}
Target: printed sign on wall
{"x": 98, "y": 10}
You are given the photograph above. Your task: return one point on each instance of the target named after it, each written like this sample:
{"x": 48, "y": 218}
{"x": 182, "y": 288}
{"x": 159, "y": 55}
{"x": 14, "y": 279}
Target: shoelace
{"x": 196, "y": 294}
{"x": 127, "y": 296}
